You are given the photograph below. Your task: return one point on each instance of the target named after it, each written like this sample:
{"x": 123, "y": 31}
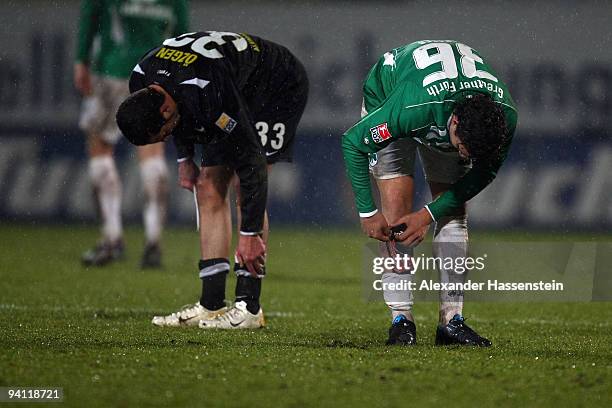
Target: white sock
{"x": 450, "y": 241}
{"x": 107, "y": 186}
{"x": 154, "y": 173}
{"x": 399, "y": 301}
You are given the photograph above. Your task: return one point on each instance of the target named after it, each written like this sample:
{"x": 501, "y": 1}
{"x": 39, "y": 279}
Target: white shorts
{"x": 398, "y": 157}
{"x": 99, "y": 109}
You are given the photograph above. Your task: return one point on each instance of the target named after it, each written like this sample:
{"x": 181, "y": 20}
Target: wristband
{"x": 368, "y": 214}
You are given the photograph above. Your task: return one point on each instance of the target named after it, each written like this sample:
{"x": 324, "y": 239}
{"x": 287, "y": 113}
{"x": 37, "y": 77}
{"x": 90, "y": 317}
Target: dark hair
{"x": 481, "y": 127}
{"x": 139, "y": 117}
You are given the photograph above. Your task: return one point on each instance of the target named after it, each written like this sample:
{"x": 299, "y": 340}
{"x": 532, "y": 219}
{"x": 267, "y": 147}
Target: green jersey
{"x": 412, "y": 92}
{"x": 126, "y": 30}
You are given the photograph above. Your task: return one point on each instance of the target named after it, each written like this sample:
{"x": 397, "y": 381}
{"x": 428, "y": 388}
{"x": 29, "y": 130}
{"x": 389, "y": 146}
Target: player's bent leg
{"x": 451, "y": 242}
{"x": 396, "y": 198}
{"x": 246, "y": 312}
{"x": 396, "y": 194}
{"x": 215, "y": 233}
{"x": 154, "y": 174}
{"x": 214, "y": 207}
{"x": 215, "y": 236}
{"x": 392, "y": 167}
{"x": 107, "y": 195}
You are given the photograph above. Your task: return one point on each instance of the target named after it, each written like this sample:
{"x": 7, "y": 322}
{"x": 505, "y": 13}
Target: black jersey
{"x": 216, "y": 78}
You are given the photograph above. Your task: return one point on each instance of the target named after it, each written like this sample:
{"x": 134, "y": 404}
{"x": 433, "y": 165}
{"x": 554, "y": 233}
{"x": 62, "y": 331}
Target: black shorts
{"x": 276, "y": 112}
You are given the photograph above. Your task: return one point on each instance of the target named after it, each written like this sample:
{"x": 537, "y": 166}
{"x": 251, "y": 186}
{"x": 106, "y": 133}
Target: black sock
{"x": 248, "y": 289}
{"x": 213, "y": 282}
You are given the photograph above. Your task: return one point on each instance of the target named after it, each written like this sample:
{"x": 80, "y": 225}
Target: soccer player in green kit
{"x": 123, "y": 31}
{"x": 441, "y": 99}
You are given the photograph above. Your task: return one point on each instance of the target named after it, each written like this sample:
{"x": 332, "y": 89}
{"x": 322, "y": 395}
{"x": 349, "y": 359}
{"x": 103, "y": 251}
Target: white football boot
{"x": 238, "y": 317}
{"x": 189, "y": 315}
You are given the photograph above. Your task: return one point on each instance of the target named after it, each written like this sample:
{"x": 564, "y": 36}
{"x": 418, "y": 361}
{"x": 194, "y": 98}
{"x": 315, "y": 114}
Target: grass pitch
{"x": 89, "y": 331}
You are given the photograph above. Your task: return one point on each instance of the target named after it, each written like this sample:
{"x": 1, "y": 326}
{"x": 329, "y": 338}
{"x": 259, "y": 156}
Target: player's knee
{"x": 152, "y": 151}
{"x": 451, "y": 228}
{"x": 396, "y": 197}
{"x": 211, "y": 195}
{"x": 395, "y": 206}
{"x": 98, "y": 146}
{"x": 154, "y": 174}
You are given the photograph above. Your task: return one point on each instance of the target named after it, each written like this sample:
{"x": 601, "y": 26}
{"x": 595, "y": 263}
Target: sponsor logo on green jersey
{"x": 380, "y": 133}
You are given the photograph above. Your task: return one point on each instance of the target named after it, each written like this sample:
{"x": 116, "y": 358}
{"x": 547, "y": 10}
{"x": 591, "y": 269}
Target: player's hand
{"x": 251, "y": 252}
{"x": 188, "y": 174}
{"x": 82, "y": 79}
{"x": 417, "y": 225}
{"x": 376, "y": 227}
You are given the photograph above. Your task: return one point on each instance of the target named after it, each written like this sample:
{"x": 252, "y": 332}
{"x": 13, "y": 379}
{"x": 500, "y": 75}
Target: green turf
{"x": 89, "y": 331}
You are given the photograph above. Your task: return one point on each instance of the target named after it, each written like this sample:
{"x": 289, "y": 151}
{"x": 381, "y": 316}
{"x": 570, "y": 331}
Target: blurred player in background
{"x": 113, "y": 35}
{"x": 242, "y": 98}
{"x": 441, "y": 99}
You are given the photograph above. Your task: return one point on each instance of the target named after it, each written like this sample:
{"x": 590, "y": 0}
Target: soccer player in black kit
{"x": 241, "y": 97}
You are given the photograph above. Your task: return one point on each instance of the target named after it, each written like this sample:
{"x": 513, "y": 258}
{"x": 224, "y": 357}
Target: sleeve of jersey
{"x": 480, "y": 176}
{"x": 184, "y": 150}
{"x": 184, "y": 143}
{"x": 251, "y": 166}
{"x": 373, "y": 132}
{"x": 182, "y": 18}
{"x": 253, "y": 176}
{"x": 182, "y": 138}
{"x": 88, "y": 26}
{"x": 356, "y": 162}
{"x": 185, "y": 147}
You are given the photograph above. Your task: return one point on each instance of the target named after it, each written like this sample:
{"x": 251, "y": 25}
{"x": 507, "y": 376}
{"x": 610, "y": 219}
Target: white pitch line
{"x": 76, "y": 309}
{"x": 527, "y": 320}
{"x": 72, "y": 309}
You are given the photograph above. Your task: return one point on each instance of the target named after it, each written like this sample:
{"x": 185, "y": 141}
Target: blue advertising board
{"x": 559, "y": 183}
